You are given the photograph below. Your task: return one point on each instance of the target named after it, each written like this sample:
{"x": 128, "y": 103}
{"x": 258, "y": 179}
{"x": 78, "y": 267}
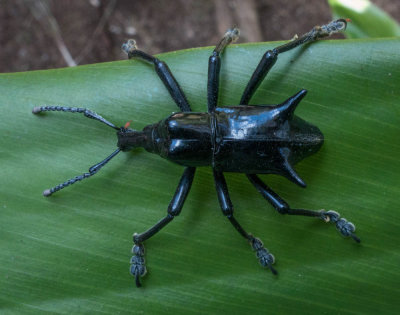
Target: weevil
{"x": 249, "y": 139}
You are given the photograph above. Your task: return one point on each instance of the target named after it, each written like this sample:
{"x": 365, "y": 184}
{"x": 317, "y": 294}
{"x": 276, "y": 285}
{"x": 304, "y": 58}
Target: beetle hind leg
{"x": 265, "y": 258}
{"x": 345, "y": 227}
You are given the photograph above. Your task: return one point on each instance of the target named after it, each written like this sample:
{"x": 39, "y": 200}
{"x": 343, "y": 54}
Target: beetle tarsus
{"x": 326, "y": 30}
{"x": 231, "y": 36}
{"x": 138, "y": 266}
{"x": 333, "y": 27}
{"x": 129, "y": 46}
{"x": 265, "y": 258}
{"x": 345, "y": 227}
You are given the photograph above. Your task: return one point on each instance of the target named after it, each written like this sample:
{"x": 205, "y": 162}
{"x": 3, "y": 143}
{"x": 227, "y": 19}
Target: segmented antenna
{"x": 88, "y": 113}
{"x": 92, "y": 170}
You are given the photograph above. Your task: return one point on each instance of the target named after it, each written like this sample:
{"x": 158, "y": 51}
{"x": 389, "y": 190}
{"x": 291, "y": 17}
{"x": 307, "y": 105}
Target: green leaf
{"x": 367, "y": 20}
{"x": 69, "y": 253}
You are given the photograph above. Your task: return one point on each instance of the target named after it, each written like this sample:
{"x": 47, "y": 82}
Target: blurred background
{"x": 43, "y": 34}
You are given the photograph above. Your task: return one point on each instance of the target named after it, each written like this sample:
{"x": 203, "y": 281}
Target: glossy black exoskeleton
{"x": 249, "y": 139}
{"x": 246, "y": 139}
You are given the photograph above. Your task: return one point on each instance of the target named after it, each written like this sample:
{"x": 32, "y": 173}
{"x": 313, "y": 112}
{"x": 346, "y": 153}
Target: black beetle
{"x": 261, "y": 139}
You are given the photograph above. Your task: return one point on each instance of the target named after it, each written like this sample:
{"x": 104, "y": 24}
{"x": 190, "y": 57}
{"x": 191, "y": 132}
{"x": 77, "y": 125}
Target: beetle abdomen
{"x": 264, "y": 139}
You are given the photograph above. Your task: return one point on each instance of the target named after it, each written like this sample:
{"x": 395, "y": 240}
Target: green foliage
{"x": 69, "y": 253}
{"x": 367, "y": 19}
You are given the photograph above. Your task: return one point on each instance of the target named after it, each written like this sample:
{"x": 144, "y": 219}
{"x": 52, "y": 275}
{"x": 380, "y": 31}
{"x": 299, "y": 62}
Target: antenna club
{"x": 47, "y": 192}
{"x": 36, "y": 110}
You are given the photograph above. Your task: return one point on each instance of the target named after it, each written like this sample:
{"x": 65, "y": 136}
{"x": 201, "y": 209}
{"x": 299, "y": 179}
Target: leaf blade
{"x": 70, "y": 252}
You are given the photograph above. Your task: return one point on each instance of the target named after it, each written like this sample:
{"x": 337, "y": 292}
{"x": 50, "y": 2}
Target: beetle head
{"x": 129, "y": 139}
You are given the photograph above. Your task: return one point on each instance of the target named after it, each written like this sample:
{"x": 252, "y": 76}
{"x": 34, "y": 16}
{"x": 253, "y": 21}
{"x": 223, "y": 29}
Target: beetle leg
{"x": 265, "y": 258}
{"x": 270, "y": 57}
{"x": 163, "y": 72}
{"x": 138, "y": 268}
{"x": 344, "y": 227}
{"x": 214, "y": 66}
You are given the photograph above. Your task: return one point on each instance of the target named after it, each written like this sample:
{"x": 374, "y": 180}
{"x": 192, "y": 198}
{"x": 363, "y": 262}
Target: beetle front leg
{"x": 343, "y": 226}
{"x": 138, "y": 267}
{"x": 163, "y": 72}
{"x": 265, "y": 258}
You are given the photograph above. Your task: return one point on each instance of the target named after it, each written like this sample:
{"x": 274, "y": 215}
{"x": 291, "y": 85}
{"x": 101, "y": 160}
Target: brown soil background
{"x": 33, "y": 31}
